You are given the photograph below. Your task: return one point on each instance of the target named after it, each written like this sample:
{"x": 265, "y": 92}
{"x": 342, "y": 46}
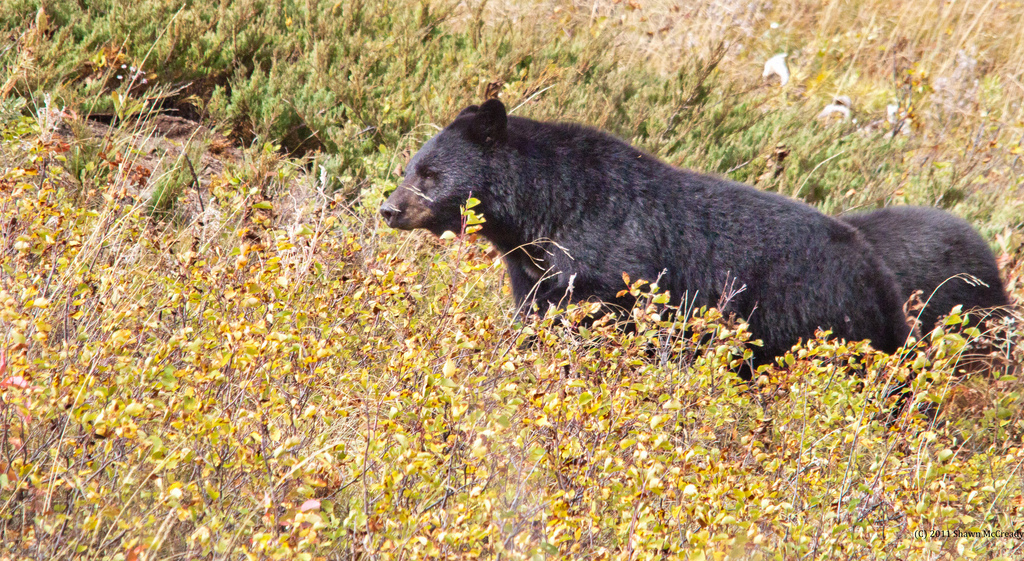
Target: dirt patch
{"x": 165, "y": 139}
{"x": 152, "y": 151}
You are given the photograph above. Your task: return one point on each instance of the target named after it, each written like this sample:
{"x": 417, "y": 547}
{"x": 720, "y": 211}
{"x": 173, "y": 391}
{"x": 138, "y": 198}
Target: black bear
{"x": 572, "y": 209}
{"x": 926, "y": 248}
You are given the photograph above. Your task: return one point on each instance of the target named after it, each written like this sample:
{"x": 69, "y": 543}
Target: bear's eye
{"x": 427, "y": 173}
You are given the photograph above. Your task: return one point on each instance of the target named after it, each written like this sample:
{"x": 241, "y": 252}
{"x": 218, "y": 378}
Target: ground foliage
{"x": 235, "y": 359}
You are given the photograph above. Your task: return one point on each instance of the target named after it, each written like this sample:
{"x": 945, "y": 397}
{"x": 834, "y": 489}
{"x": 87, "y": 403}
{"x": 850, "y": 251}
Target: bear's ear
{"x": 490, "y": 124}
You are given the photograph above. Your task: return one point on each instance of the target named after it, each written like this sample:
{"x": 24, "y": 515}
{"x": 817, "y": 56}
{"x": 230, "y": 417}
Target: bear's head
{"x": 447, "y": 170}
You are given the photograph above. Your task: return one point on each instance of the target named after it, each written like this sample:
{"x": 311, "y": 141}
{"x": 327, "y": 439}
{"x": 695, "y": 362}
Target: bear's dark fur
{"x": 572, "y": 209}
{"x": 926, "y": 248}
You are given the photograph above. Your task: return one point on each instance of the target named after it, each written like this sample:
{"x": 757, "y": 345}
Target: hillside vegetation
{"x": 211, "y": 347}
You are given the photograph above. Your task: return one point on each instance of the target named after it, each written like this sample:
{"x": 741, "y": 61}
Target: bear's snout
{"x": 390, "y": 212}
{"x": 406, "y": 209}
